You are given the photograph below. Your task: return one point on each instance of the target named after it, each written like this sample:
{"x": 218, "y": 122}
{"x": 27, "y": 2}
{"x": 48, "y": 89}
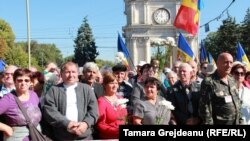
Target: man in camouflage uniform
{"x": 219, "y": 103}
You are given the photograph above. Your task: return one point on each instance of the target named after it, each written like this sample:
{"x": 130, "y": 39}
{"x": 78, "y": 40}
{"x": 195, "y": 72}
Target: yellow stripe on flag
{"x": 182, "y": 56}
{"x": 191, "y": 4}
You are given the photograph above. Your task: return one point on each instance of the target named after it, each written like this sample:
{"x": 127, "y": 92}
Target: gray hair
{"x": 90, "y": 66}
{"x": 177, "y": 62}
{"x": 11, "y": 67}
{"x": 172, "y": 73}
{"x": 186, "y": 65}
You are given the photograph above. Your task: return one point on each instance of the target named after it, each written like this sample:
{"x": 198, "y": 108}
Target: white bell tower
{"x": 148, "y": 20}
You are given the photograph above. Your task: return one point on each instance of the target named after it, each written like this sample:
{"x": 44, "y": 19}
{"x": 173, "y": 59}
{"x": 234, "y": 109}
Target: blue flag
{"x": 241, "y": 55}
{"x": 210, "y": 58}
{"x": 122, "y": 47}
{"x": 203, "y": 53}
{"x": 200, "y": 4}
{"x": 2, "y": 65}
{"x": 186, "y": 53}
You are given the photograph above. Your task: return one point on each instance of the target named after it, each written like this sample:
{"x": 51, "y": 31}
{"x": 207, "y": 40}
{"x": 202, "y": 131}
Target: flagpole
{"x": 198, "y": 34}
{"x": 198, "y": 49}
{"x": 131, "y": 61}
{"x": 28, "y": 31}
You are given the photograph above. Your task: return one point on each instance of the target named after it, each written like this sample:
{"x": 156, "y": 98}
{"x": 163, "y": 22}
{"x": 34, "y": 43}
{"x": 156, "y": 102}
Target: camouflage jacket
{"x": 219, "y": 103}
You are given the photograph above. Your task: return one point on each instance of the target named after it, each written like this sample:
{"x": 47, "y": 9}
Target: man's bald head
{"x": 224, "y": 55}
{"x": 224, "y": 63}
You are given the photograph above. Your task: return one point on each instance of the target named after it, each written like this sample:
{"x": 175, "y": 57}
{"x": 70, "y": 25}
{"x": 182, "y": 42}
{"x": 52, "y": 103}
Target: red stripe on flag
{"x": 187, "y": 19}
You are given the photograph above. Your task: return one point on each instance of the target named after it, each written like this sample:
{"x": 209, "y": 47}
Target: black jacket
{"x": 179, "y": 98}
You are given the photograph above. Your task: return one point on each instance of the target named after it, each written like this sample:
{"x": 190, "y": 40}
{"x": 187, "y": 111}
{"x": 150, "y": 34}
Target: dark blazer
{"x": 178, "y": 96}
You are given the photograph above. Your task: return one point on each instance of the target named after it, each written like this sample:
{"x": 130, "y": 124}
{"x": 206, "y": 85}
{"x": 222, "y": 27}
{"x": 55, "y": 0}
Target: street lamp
{"x": 28, "y": 30}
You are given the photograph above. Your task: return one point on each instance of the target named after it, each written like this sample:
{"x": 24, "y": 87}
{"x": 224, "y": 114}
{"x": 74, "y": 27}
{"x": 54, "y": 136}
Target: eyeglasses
{"x": 21, "y": 80}
{"x": 239, "y": 73}
{"x": 6, "y": 73}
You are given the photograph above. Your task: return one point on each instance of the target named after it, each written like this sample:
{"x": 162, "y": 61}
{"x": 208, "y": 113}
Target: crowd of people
{"x": 66, "y": 104}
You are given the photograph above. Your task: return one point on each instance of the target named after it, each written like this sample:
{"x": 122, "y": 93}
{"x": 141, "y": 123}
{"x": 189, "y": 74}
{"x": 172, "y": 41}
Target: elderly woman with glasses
{"x": 15, "y": 125}
{"x": 238, "y": 71}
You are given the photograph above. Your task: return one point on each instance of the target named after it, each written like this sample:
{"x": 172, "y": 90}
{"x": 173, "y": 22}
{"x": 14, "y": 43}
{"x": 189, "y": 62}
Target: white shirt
{"x": 71, "y": 103}
{"x": 5, "y": 90}
{"x": 244, "y": 94}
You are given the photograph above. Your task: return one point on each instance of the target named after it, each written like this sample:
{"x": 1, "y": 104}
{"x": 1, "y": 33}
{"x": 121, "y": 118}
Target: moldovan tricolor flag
{"x": 188, "y": 16}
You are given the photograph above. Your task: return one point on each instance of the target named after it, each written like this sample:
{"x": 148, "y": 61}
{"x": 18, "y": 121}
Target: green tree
{"x": 245, "y": 30}
{"x": 160, "y": 54}
{"x": 69, "y": 58}
{"x": 43, "y": 53}
{"x": 225, "y": 39}
{"x": 85, "y": 48}
{"x": 48, "y": 53}
{"x": 7, "y": 37}
{"x": 3, "y": 48}
{"x": 17, "y": 56}
{"x": 211, "y": 43}
{"x": 102, "y": 63}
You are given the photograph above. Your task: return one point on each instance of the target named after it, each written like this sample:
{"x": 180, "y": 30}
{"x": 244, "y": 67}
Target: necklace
{"x": 111, "y": 99}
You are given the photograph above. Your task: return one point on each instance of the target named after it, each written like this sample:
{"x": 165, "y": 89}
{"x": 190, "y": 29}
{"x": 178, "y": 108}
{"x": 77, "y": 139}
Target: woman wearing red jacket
{"x": 112, "y": 109}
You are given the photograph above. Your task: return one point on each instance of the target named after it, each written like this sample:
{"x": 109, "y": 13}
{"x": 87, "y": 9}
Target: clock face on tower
{"x": 161, "y": 16}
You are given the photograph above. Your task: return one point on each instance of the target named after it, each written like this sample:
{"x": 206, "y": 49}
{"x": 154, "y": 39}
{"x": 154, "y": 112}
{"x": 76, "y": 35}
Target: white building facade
{"x": 148, "y": 20}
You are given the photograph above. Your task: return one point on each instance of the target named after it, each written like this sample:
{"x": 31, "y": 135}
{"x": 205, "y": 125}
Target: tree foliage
{"x": 3, "y": 48}
{"x": 43, "y": 53}
{"x": 162, "y": 54}
{"x": 69, "y": 58}
{"x": 85, "y": 48}
{"x": 102, "y": 63}
{"x": 245, "y": 31}
{"x": 225, "y": 39}
{"x": 7, "y": 37}
{"x": 17, "y": 56}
